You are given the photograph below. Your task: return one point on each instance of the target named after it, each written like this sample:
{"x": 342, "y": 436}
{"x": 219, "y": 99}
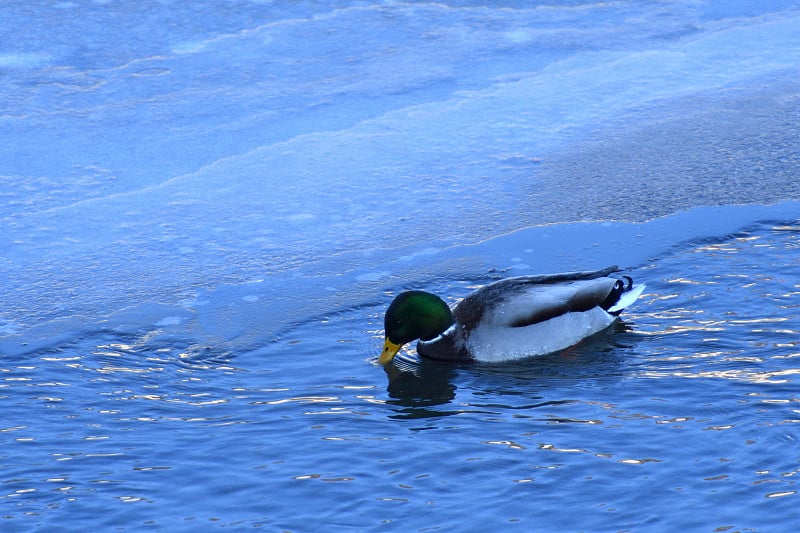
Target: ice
{"x": 169, "y": 321}
{"x": 167, "y": 155}
{"x": 22, "y": 60}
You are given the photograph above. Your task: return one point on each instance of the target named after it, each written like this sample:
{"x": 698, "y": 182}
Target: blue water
{"x": 683, "y": 416}
{"x": 207, "y": 208}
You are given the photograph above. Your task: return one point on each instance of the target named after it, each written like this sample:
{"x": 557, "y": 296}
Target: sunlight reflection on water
{"x": 747, "y": 335}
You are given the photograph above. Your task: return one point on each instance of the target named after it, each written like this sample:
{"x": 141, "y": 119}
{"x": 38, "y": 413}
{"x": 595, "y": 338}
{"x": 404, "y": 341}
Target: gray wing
{"x": 525, "y": 300}
{"x": 555, "y": 278}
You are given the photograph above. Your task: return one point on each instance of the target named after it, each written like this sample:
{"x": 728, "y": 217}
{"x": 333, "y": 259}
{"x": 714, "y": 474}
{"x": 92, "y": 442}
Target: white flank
{"x": 490, "y": 344}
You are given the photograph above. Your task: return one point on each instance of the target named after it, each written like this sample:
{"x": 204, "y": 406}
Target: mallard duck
{"x": 509, "y": 319}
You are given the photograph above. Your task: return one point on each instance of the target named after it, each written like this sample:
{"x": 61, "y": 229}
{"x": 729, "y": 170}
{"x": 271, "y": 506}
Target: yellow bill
{"x": 390, "y": 349}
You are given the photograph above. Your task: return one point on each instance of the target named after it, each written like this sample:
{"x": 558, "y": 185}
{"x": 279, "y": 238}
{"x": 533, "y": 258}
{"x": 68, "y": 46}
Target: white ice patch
{"x": 189, "y": 47}
{"x": 23, "y": 60}
{"x": 420, "y": 253}
{"x": 519, "y": 36}
{"x": 490, "y": 344}
{"x": 372, "y": 276}
{"x": 169, "y": 321}
{"x": 300, "y": 218}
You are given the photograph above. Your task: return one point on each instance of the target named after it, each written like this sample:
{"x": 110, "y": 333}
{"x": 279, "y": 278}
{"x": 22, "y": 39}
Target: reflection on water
{"x": 417, "y": 390}
{"x": 419, "y": 384}
{"x": 733, "y": 306}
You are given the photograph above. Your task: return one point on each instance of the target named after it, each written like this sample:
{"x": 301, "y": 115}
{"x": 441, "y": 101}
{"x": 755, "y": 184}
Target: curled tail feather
{"x": 622, "y": 295}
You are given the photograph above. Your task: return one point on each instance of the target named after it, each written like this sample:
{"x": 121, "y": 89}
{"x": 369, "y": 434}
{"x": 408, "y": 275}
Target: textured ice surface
{"x": 271, "y": 161}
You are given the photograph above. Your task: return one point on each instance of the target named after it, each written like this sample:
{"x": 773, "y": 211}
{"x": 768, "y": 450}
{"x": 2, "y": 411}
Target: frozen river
{"x": 155, "y": 151}
{"x": 213, "y": 178}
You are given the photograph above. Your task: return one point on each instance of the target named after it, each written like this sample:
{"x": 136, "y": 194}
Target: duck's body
{"x": 509, "y": 319}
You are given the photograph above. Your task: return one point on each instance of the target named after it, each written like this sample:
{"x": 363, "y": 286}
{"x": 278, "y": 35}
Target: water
{"x": 684, "y": 415}
{"x": 206, "y": 210}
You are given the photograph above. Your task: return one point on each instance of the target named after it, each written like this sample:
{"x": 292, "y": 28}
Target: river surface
{"x": 205, "y": 210}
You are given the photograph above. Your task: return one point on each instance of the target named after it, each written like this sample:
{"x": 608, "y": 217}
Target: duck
{"x": 509, "y": 319}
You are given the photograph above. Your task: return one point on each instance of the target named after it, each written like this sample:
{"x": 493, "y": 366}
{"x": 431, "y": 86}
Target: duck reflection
{"x": 417, "y": 386}
{"x": 425, "y": 388}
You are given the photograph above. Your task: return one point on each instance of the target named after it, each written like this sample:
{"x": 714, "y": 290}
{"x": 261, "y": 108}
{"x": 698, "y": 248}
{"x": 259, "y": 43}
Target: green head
{"x": 413, "y": 315}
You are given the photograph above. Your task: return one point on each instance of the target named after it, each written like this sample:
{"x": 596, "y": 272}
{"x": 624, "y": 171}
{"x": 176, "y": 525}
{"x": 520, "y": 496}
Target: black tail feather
{"x": 613, "y": 297}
